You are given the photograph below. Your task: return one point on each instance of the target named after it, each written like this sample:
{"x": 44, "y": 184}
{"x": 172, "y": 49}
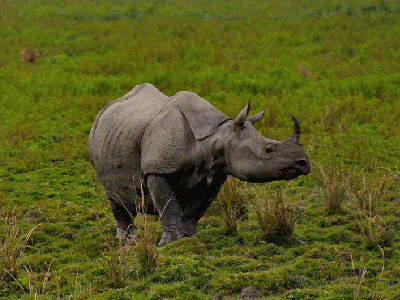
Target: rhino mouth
{"x": 301, "y": 167}
{"x": 290, "y": 174}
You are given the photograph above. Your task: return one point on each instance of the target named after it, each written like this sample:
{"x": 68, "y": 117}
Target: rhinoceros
{"x": 176, "y": 152}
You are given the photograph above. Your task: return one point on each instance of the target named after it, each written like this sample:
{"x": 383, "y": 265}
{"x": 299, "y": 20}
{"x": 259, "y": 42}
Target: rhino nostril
{"x": 304, "y": 166}
{"x": 302, "y": 163}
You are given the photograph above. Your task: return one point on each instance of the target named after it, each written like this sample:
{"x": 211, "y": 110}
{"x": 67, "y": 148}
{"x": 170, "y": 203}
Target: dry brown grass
{"x": 336, "y": 186}
{"x": 12, "y": 246}
{"x": 376, "y": 232}
{"x": 137, "y": 255}
{"x": 274, "y": 217}
{"x": 368, "y": 194}
{"x": 230, "y": 201}
{"x": 359, "y": 276}
{"x": 146, "y": 249}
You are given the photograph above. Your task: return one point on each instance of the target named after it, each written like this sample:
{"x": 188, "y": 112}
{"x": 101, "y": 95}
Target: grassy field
{"x": 335, "y": 65}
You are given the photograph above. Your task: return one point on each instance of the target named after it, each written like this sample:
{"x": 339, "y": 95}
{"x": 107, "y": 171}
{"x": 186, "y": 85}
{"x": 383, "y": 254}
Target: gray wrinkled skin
{"x": 179, "y": 150}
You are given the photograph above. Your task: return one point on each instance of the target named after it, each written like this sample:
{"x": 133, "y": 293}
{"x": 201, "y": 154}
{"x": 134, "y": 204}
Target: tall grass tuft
{"x": 336, "y": 186}
{"x": 37, "y": 282}
{"x": 359, "y": 276}
{"x": 12, "y": 246}
{"x": 274, "y": 217}
{"x": 145, "y": 250}
{"x": 231, "y": 204}
{"x": 376, "y": 231}
{"x": 119, "y": 265}
{"x": 136, "y": 256}
{"x": 368, "y": 194}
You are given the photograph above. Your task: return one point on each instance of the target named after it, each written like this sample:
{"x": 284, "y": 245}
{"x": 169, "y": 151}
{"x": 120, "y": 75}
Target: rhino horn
{"x": 296, "y": 133}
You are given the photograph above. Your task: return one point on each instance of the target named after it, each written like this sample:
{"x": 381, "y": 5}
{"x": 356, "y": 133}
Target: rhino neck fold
{"x": 217, "y": 143}
{"x": 208, "y": 159}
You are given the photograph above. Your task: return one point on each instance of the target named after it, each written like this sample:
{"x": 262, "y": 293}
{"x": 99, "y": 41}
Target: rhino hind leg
{"x": 124, "y": 219}
{"x": 189, "y": 228}
{"x": 168, "y": 208}
{"x": 192, "y": 214}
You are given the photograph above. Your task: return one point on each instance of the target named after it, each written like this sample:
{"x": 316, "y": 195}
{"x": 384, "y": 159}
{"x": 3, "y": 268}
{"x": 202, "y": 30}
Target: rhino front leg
{"x": 168, "y": 208}
{"x": 124, "y": 218}
{"x": 202, "y": 199}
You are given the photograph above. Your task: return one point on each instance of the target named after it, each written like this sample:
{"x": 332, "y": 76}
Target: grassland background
{"x": 334, "y": 64}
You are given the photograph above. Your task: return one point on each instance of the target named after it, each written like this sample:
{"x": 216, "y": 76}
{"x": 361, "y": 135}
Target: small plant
{"x": 140, "y": 251}
{"x": 37, "y": 282}
{"x": 367, "y": 194}
{"x": 119, "y": 264}
{"x": 336, "y": 186}
{"x": 12, "y": 246}
{"x": 375, "y": 231}
{"x": 145, "y": 250}
{"x": 29, "y": 55}
{"x": 118, "y": 261}
{"x": 128, "y": 259}
{"x": 274, "y": 217}
{"x": 359, "y": 276}
{"x": 230, "y": 201}
{"x": 304, "y": 71}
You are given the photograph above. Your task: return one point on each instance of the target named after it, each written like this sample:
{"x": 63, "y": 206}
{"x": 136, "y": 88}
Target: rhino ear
{"x": 256, "y": 117}
{"x": 242, "y": 116}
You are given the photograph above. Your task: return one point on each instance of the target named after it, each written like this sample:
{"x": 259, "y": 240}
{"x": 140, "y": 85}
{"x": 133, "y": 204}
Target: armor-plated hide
{"x": 179, "y": 151}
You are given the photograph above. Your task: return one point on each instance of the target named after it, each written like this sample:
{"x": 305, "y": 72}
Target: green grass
{"x": 334, "y": 65}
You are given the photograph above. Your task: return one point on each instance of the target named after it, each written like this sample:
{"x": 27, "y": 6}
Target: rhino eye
{"x": 270, "y": 148}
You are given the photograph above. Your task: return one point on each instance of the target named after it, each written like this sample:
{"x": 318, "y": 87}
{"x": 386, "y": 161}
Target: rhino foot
{"x": 125, "y": 236}
{"x": 168, "y": 237}
{"x": 189, "y": 229}
{"x": 189, "y": 235}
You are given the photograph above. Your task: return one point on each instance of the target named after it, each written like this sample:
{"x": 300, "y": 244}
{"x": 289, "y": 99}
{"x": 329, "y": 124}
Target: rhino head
{"x": 251, "y": 157}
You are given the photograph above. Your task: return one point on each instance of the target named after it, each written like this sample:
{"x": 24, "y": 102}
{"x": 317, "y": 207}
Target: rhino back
{"x": 114, "y": 139}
